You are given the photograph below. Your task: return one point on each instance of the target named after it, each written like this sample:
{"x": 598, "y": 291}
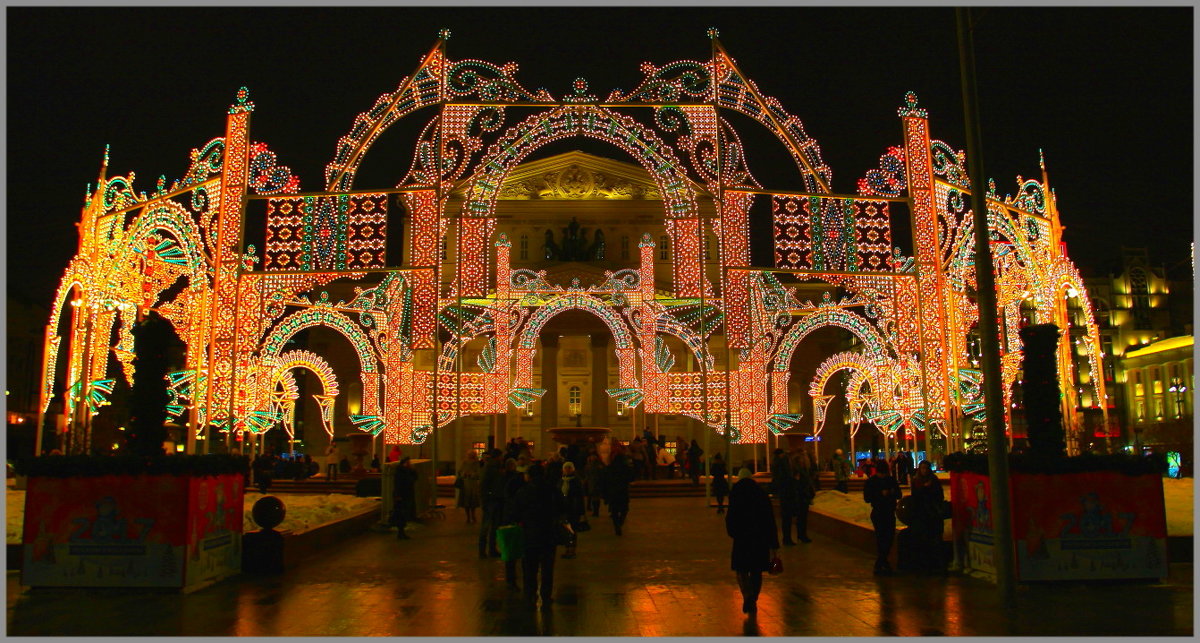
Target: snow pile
{"x": 1176, "y": 492}
{"x": 303, "y": 512}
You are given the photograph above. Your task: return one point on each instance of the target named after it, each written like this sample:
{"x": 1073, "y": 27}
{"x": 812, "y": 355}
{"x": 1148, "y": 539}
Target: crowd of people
{"x": 527, "y": 508}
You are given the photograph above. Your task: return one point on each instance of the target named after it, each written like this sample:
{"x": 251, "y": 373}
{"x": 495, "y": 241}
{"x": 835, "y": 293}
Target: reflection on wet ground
{"x": 668, "y": 575}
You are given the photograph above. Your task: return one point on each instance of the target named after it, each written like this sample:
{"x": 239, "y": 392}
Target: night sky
{"x": 1106, "y": 93}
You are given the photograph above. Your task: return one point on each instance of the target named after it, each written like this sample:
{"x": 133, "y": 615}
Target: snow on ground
{"x": 1176, "y": 492}
{"x": 302, "y": 512}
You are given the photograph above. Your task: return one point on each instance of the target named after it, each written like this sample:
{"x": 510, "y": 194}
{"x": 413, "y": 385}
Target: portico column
{"x": 599, "y": 380}
{"x": 549, "y": 382}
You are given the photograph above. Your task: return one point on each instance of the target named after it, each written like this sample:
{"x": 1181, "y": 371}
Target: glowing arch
{"x": 284, "y": 393}
{"x": 856, "y": 324}
{"x": 299, "y": 321}
{"x": 174, "y": 220}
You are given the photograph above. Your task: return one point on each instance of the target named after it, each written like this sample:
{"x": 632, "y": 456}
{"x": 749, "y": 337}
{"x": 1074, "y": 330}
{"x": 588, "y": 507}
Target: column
{"x": 599, "y": 380}
{"x": 549, "y": 382}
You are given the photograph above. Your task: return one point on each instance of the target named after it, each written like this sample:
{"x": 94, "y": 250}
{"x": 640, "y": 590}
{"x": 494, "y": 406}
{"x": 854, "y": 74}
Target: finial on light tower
{"x": 713, "y": 34}
{"x": 444, "y": 33}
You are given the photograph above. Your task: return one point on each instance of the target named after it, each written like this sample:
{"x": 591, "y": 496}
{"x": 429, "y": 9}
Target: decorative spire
{"x": 910, "y": 107}
{"x": 713, "y": 34}
{"x": 444, "y": 33}
{"x": 243, "y": 102}
{"x": 1041, "y": 159}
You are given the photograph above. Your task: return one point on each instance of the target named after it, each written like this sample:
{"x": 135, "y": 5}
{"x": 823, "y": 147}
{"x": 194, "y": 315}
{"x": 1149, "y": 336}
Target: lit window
{"x": 574, "y": 401}
{"x": 479, "y": 448}
{"x": 664, "y": 248}
{"x": 444, "y": 245}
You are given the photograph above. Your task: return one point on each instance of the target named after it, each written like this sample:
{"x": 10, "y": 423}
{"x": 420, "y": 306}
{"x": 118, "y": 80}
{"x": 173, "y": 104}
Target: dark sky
{"x": 1106, "y": 92}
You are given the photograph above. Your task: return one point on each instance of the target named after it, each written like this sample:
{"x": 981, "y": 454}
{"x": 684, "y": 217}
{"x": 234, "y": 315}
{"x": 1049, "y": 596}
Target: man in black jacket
{"x": 539, "y": 510}
{"x": 882, "y": 492}
{"x": 404, "y": 499}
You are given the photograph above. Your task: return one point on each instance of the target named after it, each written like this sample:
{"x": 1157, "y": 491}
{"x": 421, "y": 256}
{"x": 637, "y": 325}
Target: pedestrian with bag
{"x": 467, "y": 482}
{"x": 573, "y": 505}
{"x": 491, "y": 492}
{"x": 514, "y": 479}
{"x": 882, "y": 492}
{"x": 539, "y": 510}
{"x": 750, "y": 522}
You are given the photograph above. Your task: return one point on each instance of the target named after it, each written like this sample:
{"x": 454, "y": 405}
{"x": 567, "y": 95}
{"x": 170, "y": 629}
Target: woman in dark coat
{"x": 927, "y": 497}
{"x": 693, "y": 455}
{"x": 720, "y": 486}
{"x": 593, "y": 481}
{"x": 617, "y": 476}
{"x": 404, "y": 498}
{"x": 751, "y": 523}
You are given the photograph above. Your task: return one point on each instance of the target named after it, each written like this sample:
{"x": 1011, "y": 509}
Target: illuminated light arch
{"x": 303, "y": 319}
{"x": 283, "y": 377}
{"x": 858, "y": 325}
{"x": 527, "y": 337}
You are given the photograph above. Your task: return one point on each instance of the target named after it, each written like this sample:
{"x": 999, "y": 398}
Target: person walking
{"x": 783, "y": 482}
{"x": 331, "y": 461}
{"x": 806, "y": 491}
{"x": 593, "y": 480}
{"x": 750, "y": 522}
{"x": 514, "y": 479}
{"x": 882, "y": 493}
{"x": 637, "y": 454}
{"x": 539, "y": 511}
{"x": 618, "y": 475}
{"x": 573, "y": 505}
{"x": 720, "y": 486}
{"x": 404, "y": 499}
{"x": 841, "y": 471}
{"x": 904, "y": 467}
{"x": 491, "y": 491}
{"x": 649, "y": 443}
{"x": 927, "y": 522}
{"x": 468, "y": 485}
{"x": 693, "y": 454}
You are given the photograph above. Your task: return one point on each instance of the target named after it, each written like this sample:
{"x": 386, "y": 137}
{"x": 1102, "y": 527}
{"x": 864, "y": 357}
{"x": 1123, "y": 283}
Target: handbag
{"x": 566, "y": 535}
{"x": 776, "y": 567}
{"x": 510, "y": 540}
{"x": 458, "y": 483}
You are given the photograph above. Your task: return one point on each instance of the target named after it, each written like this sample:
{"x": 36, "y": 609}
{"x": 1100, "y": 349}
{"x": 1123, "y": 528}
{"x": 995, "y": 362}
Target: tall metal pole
{"x": 988, "y": 328}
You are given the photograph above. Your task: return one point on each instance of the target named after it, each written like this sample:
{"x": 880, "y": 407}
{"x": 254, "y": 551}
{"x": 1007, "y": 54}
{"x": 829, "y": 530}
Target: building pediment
{"x": 577, "y": 176}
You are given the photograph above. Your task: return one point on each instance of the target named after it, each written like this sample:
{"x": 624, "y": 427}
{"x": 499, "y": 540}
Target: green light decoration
{"x": 372, "y": 424}
{"x": 780, "y": 422}
{"x": 522, "y": 397}
{"x": 630, "y": 397}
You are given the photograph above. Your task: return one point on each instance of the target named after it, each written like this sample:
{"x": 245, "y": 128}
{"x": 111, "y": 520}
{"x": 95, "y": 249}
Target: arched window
{"x": 664, "y": 248}
{"x": 574, "y": 401}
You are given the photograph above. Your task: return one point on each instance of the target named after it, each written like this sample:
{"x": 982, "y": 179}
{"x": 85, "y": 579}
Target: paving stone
{"x": 668, "y": 575}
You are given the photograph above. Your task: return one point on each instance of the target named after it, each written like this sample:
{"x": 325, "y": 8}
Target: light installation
{"x": 910, "y": 374}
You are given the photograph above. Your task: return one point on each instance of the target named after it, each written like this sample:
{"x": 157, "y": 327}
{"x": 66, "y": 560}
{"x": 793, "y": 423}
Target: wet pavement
{"x": 668, "y": 575}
